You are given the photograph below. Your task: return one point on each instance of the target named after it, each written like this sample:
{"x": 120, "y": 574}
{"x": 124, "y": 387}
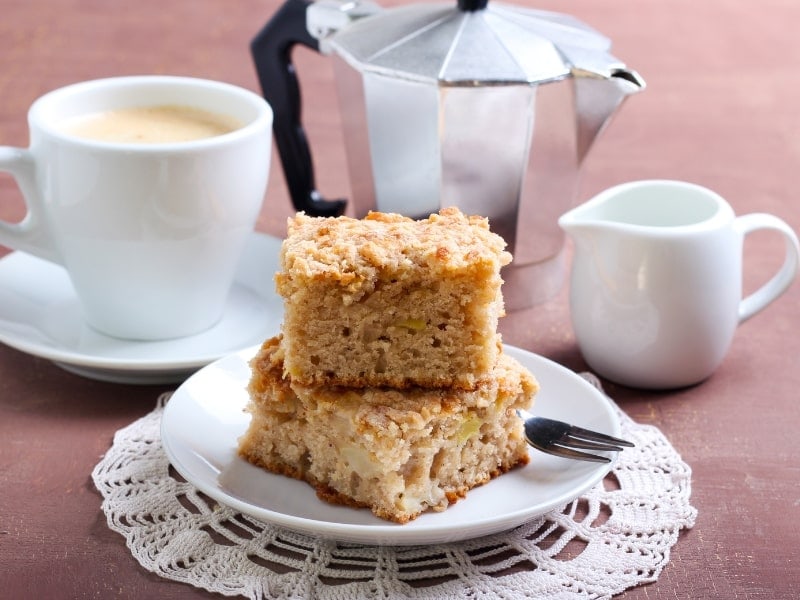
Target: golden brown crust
{"x": 388, "y": 387}
{"x": 389, "y": 301}
{"x": 355, "y": 252}
{"x": 274, "y": 466}
{"x": 328, "y": 494}
{"x": 398, "y": 452}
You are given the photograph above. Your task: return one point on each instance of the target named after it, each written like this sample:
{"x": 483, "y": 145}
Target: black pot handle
{"x": 271, "y": 50}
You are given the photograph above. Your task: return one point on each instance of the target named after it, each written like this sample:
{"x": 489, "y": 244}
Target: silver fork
{"x": 562, "y": 439}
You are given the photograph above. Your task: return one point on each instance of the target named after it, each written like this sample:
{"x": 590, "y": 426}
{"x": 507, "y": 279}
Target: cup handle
{"x": 779, "y": 282}
{"x": 28, "y": 235}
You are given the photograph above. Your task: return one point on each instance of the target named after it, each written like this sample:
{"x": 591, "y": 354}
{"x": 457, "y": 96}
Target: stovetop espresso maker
{"x": 491, "y": 108}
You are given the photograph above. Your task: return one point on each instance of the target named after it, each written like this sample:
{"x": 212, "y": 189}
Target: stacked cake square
{"x": 388, "y": 387}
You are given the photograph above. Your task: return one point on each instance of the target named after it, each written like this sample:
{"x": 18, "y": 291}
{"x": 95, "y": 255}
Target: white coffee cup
{"x": 150, "y": 233}
{"x": 656, "y": 282}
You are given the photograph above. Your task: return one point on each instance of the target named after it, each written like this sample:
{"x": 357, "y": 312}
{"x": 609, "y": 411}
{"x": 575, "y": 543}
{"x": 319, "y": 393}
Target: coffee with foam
{"x": 150, "y": 125}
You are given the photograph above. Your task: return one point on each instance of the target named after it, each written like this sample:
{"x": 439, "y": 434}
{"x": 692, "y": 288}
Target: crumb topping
{"x": 381, "y": 244}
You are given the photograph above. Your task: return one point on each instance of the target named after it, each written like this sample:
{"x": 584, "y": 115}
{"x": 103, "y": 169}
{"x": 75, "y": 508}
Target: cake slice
{"x": 389, "y": 301}
{"x": 397, "y": 452}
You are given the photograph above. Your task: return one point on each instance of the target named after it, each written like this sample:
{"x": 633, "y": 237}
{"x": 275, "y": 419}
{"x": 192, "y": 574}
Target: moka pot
{"x": 490, "y": 108}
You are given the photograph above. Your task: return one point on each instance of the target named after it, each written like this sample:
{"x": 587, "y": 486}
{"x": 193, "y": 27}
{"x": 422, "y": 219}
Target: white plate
{"x": 40, "y": 315}
{"x": 204, "y": 419}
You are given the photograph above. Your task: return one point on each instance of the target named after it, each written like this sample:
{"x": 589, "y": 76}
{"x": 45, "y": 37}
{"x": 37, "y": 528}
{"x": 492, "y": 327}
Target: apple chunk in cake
{"x": 389, "y": 301}
{"x": 397, "y": 452}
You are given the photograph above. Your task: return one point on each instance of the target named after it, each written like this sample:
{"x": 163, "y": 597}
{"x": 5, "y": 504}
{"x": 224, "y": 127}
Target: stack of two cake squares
{"x": 388, "y": 387}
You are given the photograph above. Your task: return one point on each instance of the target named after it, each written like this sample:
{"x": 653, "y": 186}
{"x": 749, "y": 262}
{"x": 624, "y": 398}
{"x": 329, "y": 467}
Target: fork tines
{"x": 577, "y": 438}
{"x": 594, "y": 440}
{"x": 565, "y": 452}
{"x": 562, "y": 439}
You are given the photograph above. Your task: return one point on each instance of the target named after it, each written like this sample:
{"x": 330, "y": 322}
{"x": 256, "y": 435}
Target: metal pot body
{"x": 507, "y": 152}
{"x": 488, "y": 108}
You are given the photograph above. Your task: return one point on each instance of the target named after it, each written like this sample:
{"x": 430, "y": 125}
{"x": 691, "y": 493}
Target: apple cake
{"x": 398, "y": 452}
{"x": 390, "y": 301}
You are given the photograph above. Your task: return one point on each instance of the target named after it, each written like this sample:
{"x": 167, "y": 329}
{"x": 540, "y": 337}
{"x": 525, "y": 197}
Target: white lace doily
{"x": 617, "y": 535}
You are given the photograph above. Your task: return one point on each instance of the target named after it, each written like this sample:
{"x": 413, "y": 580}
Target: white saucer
{"x": 40, "y": 315}
{"x": 204, "y": 419}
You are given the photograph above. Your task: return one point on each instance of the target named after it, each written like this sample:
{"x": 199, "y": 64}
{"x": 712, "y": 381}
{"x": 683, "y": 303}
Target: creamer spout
{"x": 580, "y": 218}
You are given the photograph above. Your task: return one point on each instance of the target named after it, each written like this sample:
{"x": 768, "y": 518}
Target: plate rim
{"x": 389, "y": 533}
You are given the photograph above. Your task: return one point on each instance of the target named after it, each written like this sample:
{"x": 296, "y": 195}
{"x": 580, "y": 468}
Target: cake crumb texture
{"x": 390, "y": 301}
{"x": 397, "y": 452}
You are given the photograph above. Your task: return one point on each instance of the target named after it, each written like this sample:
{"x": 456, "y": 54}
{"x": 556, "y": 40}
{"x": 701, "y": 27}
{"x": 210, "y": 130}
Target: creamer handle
{"x": 779, "y": 282}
